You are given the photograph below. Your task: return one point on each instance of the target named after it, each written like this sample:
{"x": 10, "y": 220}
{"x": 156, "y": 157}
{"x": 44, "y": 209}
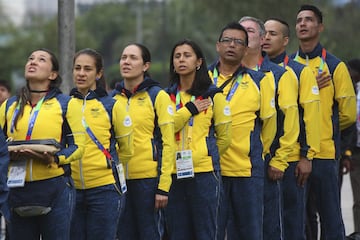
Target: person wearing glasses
{"x": 251, "y": 96}
{"x": 42, "y": 195}
{"x": 287, "y": 124}
{"x": 338, "y": 112}
{"x": 202, "y": 133}
{"x": 98, "y": 176}
{"x": 296, "y": 175}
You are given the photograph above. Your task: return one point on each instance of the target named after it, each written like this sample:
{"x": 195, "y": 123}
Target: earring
{"x": 97, "y": 79}
{"x": 197, "y": 68}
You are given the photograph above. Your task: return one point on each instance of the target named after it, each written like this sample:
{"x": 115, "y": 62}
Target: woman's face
{"x": 185, "y": 60}
{"x": 85, "y": 73}
{"x": 131, "y": 63}
{"x": 39, "y": 67}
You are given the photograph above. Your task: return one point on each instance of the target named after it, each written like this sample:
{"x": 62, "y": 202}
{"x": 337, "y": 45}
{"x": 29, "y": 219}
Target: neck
{"x": 274, "y": 55}
{"x": 83, "y": 91}
{"x": 37, "y": 91}
{"x": 186, "y": 82}
{"x": 131, "y": 84}
{"x": 308, "y": 46}
{"x": 251, "y": 59}
{"x": 228, "y": 69}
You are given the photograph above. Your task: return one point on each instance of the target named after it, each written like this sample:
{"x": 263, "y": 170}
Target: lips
{"x": 230, "y": 53}
{"x": 265, "y": 45}
{"x": 31, "y": 69}
{"x": 80, "y": 81}
{"x": 125, "y": 69}
{"x": 182, "y": 67}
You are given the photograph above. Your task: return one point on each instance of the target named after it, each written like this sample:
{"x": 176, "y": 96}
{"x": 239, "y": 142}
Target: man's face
{"x": 274, "y": 42}
{"x": 307, "y": 26}
{"x": 253, "y": 30}
{"x": 231, "y": 47}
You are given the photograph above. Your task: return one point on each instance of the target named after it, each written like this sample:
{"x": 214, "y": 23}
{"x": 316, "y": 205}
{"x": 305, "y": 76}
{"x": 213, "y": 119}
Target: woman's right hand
{"x": 202, "y": 104}
{"x": 45, "y": 157}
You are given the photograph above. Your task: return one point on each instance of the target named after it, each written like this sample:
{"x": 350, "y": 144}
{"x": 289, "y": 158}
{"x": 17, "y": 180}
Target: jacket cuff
{"x": 192, "y": 108}
{"x": 161, "y": 192}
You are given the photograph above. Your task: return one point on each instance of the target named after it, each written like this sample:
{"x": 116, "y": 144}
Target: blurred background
{"x": 108, "y": 26}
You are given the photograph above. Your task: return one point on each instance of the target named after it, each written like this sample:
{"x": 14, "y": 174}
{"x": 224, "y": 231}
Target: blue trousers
{"x": 53, "y": 226}
{"x": 324, "y": 184}
{"x": 241, "y": 208}
{"x": 192, "y": 211}
{"x": 273, "y": 225}
{"x": 97, "y": 213}
{"x": 141, "y": 220}
{"x": 294, "y": 202}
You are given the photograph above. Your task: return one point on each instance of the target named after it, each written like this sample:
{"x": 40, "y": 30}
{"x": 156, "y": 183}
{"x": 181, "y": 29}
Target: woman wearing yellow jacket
{"x": 148, "y": 172}
{"x": 98, "y": 176}
{"x": 41, "y": 191}
{"x": 202, "y": 133}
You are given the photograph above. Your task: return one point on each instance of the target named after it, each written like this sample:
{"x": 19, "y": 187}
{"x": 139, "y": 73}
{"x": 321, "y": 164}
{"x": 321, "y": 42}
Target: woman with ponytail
{"x": 98, "y": 176}
{"x": 37, "y": 120}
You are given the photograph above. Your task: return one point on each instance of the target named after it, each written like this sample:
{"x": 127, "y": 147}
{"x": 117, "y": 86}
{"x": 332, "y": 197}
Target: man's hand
{"x": 275, "y": 174}
{"x": 345, "y": 165}
{"x": 303, "y": 170}
{"x": 323, "y": 79}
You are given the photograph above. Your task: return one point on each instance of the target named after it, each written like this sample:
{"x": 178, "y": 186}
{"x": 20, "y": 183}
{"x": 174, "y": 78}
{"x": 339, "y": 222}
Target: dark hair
{"x": 5, "y": 84}
{"x": 354, "y": 64}
{"x": 314, "y": 9}
{"x": 236, "y": 26}
{"x": 202, "y": 80}
{"x": 286, "y": 29}
{"x": 145, "y": 55}
{"x": 23, "y": 95}
{"x": 99, "y": 64}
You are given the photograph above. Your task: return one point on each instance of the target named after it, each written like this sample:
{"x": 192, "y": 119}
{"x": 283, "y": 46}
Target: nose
{"x": 32, "y": 61}
{"x": 81, "y": 71}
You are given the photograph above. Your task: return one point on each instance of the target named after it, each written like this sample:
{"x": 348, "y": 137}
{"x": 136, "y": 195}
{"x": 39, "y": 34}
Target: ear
{"x": 199, "y": 62}
{"x": 53, "y": 75}
{"x": 286, "y": 41}
{"x": 217, "y": 46}
{"x": 321, "y": 27}
{"x": 146, "y": 66}
{"x": 99, "y": 74}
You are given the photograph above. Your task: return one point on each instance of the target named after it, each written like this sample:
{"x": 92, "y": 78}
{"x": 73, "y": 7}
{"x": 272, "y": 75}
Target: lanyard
{"x": 286, "y": 61}
{"x": 215, "y": 76}
{"x": 95, "y": 140}
{"x": 234, "y": 87}
{"x": 191, "y": 120}
{"x": 258, "y": 65}
{"x": 32, "y": 119}
{"x": 322, "y": 63}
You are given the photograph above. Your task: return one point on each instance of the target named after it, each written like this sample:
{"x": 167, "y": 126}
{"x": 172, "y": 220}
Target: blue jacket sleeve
{"x": 4, "y": 164}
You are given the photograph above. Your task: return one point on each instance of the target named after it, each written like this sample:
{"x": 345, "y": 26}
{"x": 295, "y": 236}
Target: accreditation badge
{"x": 184, "y": 164}
{"x": 121, "y": 175}
{"x": 17, "y": 173}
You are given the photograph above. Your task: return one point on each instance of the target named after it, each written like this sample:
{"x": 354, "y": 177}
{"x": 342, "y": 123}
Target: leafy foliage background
{"x": 110, "y": 26}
